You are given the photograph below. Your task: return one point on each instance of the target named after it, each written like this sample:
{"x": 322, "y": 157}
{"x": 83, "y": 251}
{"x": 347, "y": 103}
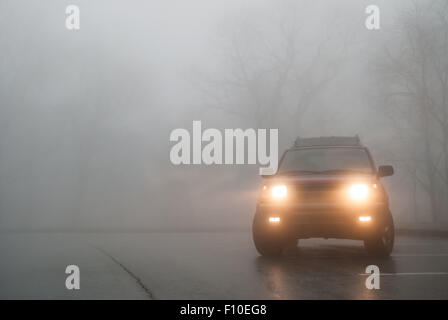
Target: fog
{"x": 85, "y": 116}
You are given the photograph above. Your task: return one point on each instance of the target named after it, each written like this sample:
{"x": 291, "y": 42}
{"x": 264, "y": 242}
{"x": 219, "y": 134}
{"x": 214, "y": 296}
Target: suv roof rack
{"x": 327, "y": 141}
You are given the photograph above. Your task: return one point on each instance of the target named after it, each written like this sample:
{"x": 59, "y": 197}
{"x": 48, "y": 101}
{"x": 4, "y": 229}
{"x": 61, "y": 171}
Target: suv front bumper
{"x": 324, "y": 220}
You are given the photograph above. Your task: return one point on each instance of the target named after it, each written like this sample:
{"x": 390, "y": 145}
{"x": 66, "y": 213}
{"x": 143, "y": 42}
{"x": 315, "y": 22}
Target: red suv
{"x": 326, "y": 187}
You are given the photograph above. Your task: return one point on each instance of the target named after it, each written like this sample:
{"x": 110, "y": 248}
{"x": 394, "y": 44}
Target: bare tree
{"x": 274, "y": 69}
{"x": 413, "y": 79}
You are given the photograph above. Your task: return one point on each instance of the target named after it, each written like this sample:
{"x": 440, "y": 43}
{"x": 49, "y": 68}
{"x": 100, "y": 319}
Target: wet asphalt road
{"x": 214, "y": 266}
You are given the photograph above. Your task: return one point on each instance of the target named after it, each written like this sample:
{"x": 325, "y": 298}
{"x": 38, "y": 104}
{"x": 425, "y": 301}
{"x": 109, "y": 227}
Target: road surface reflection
{"x": 321, "y": 272}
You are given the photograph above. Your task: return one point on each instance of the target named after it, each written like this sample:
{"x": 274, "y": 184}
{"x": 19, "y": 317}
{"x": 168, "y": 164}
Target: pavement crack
{"x": 129, "y": 272}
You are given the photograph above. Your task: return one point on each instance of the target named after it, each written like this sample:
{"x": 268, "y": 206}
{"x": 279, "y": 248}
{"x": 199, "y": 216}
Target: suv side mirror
{"x": 385, "y": 171}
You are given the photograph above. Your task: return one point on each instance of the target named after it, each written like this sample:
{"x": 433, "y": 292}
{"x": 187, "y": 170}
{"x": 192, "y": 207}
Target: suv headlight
{"x": 359, "y": 191}
{"x": 278, "y": 192}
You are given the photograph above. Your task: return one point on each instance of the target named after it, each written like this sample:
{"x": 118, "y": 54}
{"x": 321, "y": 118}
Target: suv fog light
{"x": 365, "y": 219}
{"x": 274, "y": 219}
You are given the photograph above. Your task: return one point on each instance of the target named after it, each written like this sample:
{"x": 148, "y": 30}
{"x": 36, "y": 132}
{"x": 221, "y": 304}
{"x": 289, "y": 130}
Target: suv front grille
{"x": 319, "y": 193}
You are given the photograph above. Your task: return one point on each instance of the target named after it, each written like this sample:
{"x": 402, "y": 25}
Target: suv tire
{"x": 382, "y": 243}
{"x": 267, "y": 240}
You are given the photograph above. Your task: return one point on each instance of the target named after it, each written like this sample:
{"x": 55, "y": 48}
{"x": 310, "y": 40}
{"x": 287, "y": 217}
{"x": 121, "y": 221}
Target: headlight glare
{"x": 279, "y": 192}
{"x": 359, "y": 191}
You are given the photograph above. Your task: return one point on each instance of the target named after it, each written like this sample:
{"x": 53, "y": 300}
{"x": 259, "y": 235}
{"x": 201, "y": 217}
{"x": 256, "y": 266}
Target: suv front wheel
{"x": 270, "y": 240}
{"x": 382, "y": 243}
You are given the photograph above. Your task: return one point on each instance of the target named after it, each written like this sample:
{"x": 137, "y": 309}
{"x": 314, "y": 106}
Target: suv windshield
{"x": 325, "y": 160}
